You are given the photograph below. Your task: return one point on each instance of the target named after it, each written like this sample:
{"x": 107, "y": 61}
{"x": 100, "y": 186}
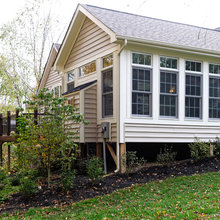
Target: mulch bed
{"x": 84, "y": 189}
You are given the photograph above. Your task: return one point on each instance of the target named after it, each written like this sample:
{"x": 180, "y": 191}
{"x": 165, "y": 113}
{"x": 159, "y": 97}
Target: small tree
{"x": 51, "y": 138}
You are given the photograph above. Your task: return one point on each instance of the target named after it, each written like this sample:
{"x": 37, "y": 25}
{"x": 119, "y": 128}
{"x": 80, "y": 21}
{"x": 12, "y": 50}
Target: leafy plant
{"x": 216, "y": 145}
{"x": 199, "y": 149}
{"x": 67, "y": 179}
{"x": 132, "y": 161}
{"x": 166, "y": 155}
{"x": 51, "y": 139}
{"x": 95, "y": 169}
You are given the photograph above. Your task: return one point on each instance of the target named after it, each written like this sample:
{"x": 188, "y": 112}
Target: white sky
{"x": 205, "y": 13}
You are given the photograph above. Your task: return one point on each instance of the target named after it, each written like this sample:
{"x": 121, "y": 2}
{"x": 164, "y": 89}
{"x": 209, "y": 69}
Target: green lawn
{"x": 187, "y": 197}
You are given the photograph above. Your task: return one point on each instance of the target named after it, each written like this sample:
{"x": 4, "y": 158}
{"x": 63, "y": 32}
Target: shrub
{"x": 132, "y": 161}
{"x": 95, "y": 169}
{"x": 216, "y": 145}
{"x": 15, "y": 180}
{"x": 166, "y": 155}
{"x": 67, "y": 179}
{"x": 199, "y": 149}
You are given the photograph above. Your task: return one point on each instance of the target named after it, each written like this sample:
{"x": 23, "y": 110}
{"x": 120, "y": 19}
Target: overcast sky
{"x": 204, "y": 13}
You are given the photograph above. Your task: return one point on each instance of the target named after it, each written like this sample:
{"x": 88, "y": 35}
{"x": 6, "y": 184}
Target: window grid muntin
{"x": 193, "y": 100}
{"x": 214, "y": 98}
{"x": 146, "y": 94}
{"x": 169, "y": 109}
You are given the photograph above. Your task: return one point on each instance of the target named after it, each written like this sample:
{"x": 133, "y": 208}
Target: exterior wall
{"x": 92, "y": 44}
{"x": 91, "y": 41}
{"x": 90, "y": 113}
{"x": 54, "y": 79}
{"x": 163, "y": 129}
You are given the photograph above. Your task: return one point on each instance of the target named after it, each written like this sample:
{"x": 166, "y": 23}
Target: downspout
{"x": 117, "y": 144}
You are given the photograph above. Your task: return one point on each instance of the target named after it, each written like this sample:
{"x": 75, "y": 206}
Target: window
{"x": 141, "y": 84}
{"x": 193, "y": 98}
{"x": 87, "y": 69}
{"x": 214, "y": 97}
{"x": 193, "y": 66}
{"x": 168, "y": 94}
{"x": 167, "y": 62}
{"x": 57, "y": 90}
{"x": 214, "y": 68}
{"x": 142, "y": 59}
{"x": 70, "y": 80}
{"x": 107, "y": 61}
{"x": 107, "y": 93}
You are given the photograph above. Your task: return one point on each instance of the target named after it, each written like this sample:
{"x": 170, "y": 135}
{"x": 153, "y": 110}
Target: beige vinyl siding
{"x": 114, "y": 132}
{"x": 53, "y": 79}
{"x": 75, "y": 101}
{"x": 91, "y": 41}
{"x": 90, "y": 114}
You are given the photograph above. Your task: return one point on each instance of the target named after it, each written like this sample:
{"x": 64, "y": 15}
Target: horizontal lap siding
{"x": 90, "y": 113}
{"x": 53, "y": 79}
{"x": 169, "y": 133}
{"x": 91, "y": 41}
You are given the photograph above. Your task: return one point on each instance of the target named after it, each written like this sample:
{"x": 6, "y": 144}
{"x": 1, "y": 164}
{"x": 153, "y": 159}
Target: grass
{"x": 187, "y": 197}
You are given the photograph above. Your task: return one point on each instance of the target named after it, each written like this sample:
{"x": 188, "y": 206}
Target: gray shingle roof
{"x": 146, "y": 28}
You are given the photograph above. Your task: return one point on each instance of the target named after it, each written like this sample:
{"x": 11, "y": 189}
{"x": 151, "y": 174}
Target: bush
{"x": 166, "y": 155}
{"x": 132, "y": 161}
{"x": 28, "y": 184}
{"x": 216, "y": 145}
{"x": 15, "y": 180}
{"x": 95, "y": 169}
{"x": 199, "y": 149}
{"x": 67, "y": 179}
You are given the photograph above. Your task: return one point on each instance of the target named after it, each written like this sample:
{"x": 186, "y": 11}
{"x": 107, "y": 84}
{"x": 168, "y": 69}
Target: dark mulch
{"x": 83, "y": 188}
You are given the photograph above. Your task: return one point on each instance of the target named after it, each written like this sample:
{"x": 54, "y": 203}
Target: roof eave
{"x": 176, "y": 47}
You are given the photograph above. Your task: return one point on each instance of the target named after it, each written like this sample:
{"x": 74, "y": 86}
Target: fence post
{"x": 9, "y": 156}
{"x": 8, "y": 123}
{"x": 35, "y": 116}
{"x": 1, "y": 125}
{"x": 1, "y": 156}
{"x": 17, "y": 114}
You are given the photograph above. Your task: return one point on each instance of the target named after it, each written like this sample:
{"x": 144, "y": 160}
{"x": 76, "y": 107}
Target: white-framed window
{"x": 168, "y": 86}
{"x": 141, "y": 84}
{"x": 214, "y": 91}
{"x": 107, "y": 86}
{"x": 87, "y": 69}
{"x": 70, "y": 79}
{"x": 193, "y": 89}
{"x": 57, "y": 91}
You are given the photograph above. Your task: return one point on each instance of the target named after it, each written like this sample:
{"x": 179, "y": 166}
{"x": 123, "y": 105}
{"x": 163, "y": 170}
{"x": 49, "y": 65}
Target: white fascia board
{"x": 175, "y": 47}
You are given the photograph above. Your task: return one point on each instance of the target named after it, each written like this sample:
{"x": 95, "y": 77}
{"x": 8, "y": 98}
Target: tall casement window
{"x": 141, "y": 84}
{"x": 214, "y": 91}
{"x": 57, "y": 91}
{"x": 70, "y": 80}
{"x": 193, "y": 90}
{"x": 107, "y": 86}
{"x": 168, "y": 86}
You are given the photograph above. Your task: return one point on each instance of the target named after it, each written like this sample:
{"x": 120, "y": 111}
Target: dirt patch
{"x": 83, "y": 188}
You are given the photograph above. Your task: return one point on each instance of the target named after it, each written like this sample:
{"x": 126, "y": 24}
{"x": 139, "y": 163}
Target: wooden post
{"x": 35, "y": 116}
{"x": 112, "y": 152}
{"x": 9, "y": 156}
{"x": 99, "y": 150}
{"x": 122, "y": 151}
{"x": 1, "y": 156}
{"x": 17, "y": 114}
{"x": 8, "y": 123}
{"x": 1, "y": 125}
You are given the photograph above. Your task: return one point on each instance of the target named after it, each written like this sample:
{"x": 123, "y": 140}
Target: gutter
{"x": 175, "y": 47}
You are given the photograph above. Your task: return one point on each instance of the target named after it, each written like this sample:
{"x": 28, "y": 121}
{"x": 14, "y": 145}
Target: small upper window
{"x": 56, "y": 91}
{"x": 107, "y": 61}
{"x": 168, "y": 62}
{"x": 193, "y": 66}
{"x": 143, "y": 59}
{"x": 70, "y": 76}
{"x": 214, "y": 68}
{"x": 86, "y": 69}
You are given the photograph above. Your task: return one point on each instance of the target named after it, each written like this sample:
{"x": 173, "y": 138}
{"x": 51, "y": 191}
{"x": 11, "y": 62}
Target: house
{"x": 144, "y": 80}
